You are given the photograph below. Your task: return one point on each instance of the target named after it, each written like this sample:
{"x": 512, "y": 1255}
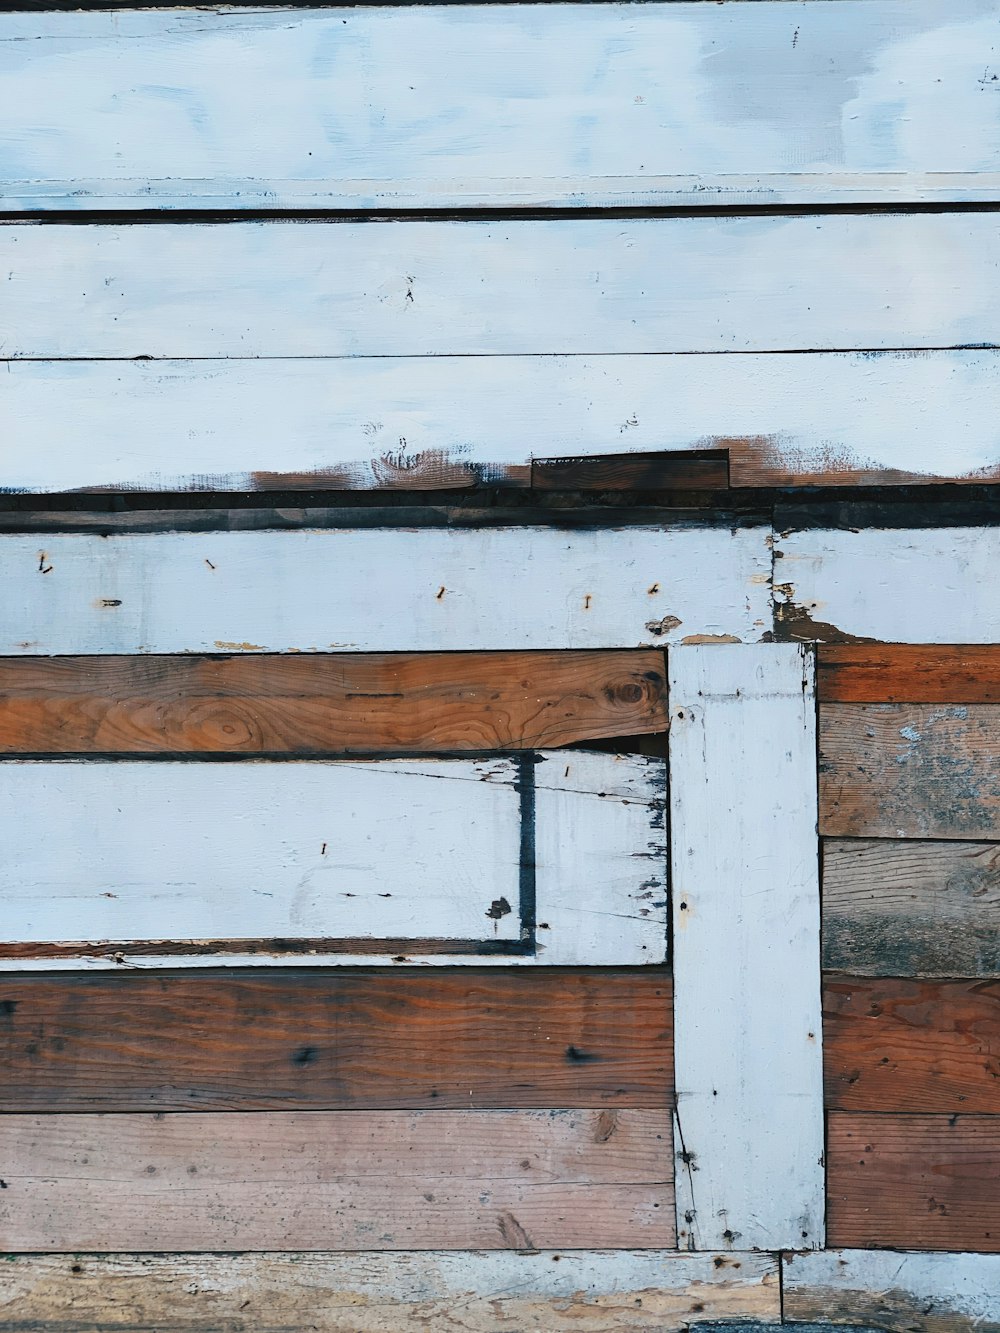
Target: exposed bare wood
{"x": 908, "y": 673}
{"x": 623, "y": 472}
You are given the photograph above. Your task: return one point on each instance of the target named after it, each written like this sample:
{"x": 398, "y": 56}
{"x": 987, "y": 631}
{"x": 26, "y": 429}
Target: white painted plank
{"x": 590, "y": 1291}
{"x": 906, "y": 585}
{"x": 949, "y": 1293}
{"x": 340, "y": 855}
{"x": 521, "y": 287}
{"x": 449, "y": 106}
{"x": 745, "y": 891}
{"x": 368, "y": 421}
{"x": 381, "y": 590}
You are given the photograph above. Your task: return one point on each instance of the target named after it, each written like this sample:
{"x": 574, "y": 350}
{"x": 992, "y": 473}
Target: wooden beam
{"x": 908, "y": 673}
{"x": 635, "y": 471}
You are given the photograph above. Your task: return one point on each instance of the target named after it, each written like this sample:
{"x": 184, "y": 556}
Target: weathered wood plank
{"x": 909, "y": 1045}
{"x": 368, "y": 422}
{"x": 923, "y": 1182}
{"x": 908, "y": 673}
{"x": 909, "y": 770}
{"x": 457, "y": 106}
{"x": 171, "y": 861}
{"x": 911, "y": 908}
{"x": 375, "y": 590}
{"x": 346, "y": 703}
{"x": 342, "y": 1040}
{"x": 745, "y": 898}
{"x": 517, "y": 287}
{"x": 936, "y": 1293}
{"x": 590, "y": 1292}
{"x": 624, "y": 472}
{"x": 907, "y": 585}
{"x": 347, "y": 1180}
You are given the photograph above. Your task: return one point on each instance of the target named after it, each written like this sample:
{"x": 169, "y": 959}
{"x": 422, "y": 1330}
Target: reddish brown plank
{"x": 908, "y": 1045}
{"x": 343, "y": 703}
{"x": 921, "y": 1182}
{"x": 338, "y": 1040}
{"x": 908, "y": 673}
{"x": 698, "y": 470}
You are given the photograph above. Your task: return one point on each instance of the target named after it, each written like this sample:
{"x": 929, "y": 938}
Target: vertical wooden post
{"x": 745, "y": 904}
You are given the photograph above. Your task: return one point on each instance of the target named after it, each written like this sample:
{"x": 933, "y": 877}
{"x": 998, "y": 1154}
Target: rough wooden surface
{"x": 347, "y": 1180}
{"x": 922, "y": 1182}
{"x": 337, "y": 703}
{"x": 935, "y": 1293}
{"x": 745, "y": 908}
{"x": 911, "y": 908}
{"x": 623, "y": 472}
{"x": 909, "y": 770}
{"x": 340, "y": 1040}
{"x": 911, "y": 1045}
{"x": 908, "y": 673}
{"x": 586, "y": 1292}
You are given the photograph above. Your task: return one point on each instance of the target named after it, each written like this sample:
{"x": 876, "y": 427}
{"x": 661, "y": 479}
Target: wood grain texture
{"x": 936, "y": 1293}
{"x": 921, "y": 1182}
{"x": 341, "y": 1040}
{"x": 335, "y": 703}
{"x": 745, "y": 903}
{"x": 381, "y": 590}
{"x": 347, "y": 1180}
{"x": 160, "y": 862}
{"x": 416, "y": 422}
{"x": 904, "y": 585}
{"x": 910, "y": 770}
{"x": 911, "y": 1045}
{"x": 458, "y": 106}
{"x": 521, "y": 287}
{"x": 908, "y": 673}
{"x": 583, "y": 1291}
{"x": 911, "y": 908}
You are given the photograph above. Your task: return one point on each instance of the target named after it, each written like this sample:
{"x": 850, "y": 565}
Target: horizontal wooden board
{"x": 911, "y": 908}
{"x": 160, "y": 861}
{"x": 351, "y": 1180}
{"x": 908, "y": 673}
{"x": 911, "y": 1045}
{"x": 341, "y": 1040}
{"x": 588, "y": 1291}
{"x": 346, "y": 703}
{"x": 369, "y": 422}
{"x": 909, "y": 770}
{"x": 497, "y": 288}
{"x": 936, "y": 1293}
{"x": 904, "y": 585}
{"x": 379, "y": 590}
{"x": 457, "y": 106}
{"x": 922, "y": 1182}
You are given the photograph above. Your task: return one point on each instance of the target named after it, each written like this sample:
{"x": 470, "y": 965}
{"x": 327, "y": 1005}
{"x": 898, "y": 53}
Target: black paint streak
{"x": 528, "y": 884}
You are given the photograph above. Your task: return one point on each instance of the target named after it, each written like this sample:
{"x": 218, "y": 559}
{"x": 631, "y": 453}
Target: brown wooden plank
{"x": 698, "y": 470}
{"x": 911, "y": 908}
{"x": 907, "y": 1045}
{"x": 351, "y": 1180}
{"x": 344, "y": 703}
{"x": 921, "y": 1182}
{"x": 339, "y": 1040}
{"x": 908, "y": 673}
{"x": 910, "y": 770}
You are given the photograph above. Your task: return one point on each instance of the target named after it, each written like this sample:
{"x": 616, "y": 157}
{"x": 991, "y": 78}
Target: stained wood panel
{"x": 161, "y": 861}
{"x": 910, "y": 770}
{"x": 938, "y": 1293}
{"x": 334, "y": 703}
{"x": 911, "y": 908}
{"x": 905, "y": 585}
{"x": 597, "y": 1291}
{"x": 922, "y": 1182}
{"x": 340, "y": 1180}
{"x": 379, "y": 590}
{"x": 911, "y": 1045}
{"x": 908, "y": 673}
{"x": 456, "y": 106}
{"x": 745, "y": 906}
{"x": 341, "y": 1040}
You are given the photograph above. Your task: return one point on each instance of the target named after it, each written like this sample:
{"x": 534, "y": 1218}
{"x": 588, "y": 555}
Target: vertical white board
{"x": 745, "y": 902}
